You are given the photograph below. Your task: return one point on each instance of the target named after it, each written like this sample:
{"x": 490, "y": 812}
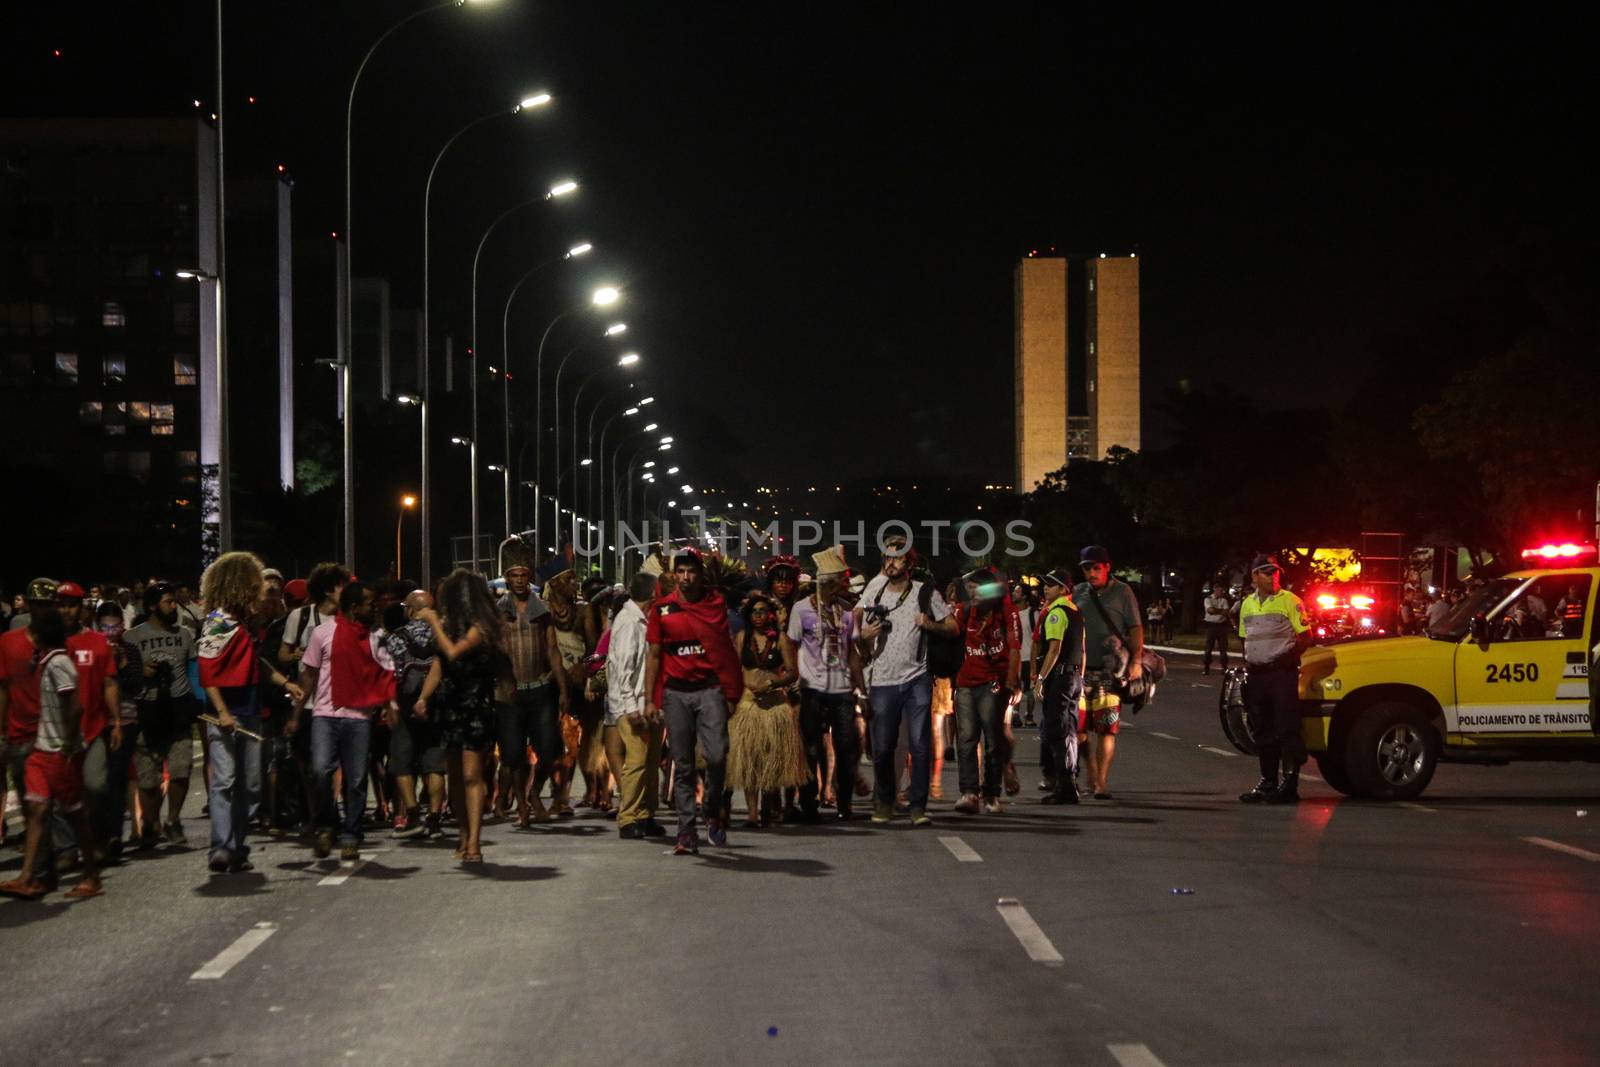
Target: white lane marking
{"x": 1168, "y": 737}
{"x": 1414, "y": 806}
{"x": 1216, "y": 751}
{"x": 342, "y": 875}
{"x": 1134, "y": 1056}
{"x": 960, "y": 850}
{"x": 1034, "y": 942}
{"x": 1571, "y": 850}
{"x": 229, "y": 957}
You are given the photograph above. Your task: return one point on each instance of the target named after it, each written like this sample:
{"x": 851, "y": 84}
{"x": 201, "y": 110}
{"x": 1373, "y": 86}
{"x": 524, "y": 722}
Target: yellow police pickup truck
{"x": 1503, "y": 676}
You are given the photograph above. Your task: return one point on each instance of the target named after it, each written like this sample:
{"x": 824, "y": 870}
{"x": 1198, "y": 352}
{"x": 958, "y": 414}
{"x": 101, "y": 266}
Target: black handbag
{"x": 1152, "y": 665}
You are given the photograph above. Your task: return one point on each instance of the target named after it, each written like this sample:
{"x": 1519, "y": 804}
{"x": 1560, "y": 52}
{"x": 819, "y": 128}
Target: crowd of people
{"x": 698, "y": 683}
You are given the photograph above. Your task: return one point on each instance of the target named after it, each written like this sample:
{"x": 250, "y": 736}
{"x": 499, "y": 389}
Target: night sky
{"x": 815, "y": 208}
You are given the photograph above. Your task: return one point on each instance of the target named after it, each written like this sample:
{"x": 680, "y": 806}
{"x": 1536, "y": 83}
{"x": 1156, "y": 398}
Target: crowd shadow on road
{"x": 243, "y": 884}
{"x": 744, "y": 864}
{"x": 508, "y": 872}
{"x": 15, "y": 914}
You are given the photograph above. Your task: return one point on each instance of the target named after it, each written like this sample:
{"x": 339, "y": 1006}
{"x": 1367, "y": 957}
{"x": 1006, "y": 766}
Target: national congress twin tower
{"x": 1077, "y": 360}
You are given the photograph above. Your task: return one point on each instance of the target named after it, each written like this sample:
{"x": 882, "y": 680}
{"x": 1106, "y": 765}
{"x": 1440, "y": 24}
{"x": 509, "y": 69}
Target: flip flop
{"x": 83, "y": 891}
{"x": 33, "y": 890}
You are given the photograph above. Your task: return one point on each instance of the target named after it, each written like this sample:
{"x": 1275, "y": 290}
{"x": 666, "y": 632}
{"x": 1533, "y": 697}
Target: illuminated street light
{"x": 561, "y": 189}
{"x": 651, "y": 428}
{"x": 631, "y": 411}
{"x": 672, "y": 470}
{"x": 536, "y": 100}
{"x": 667, "y": 440}
{"x": 606, "y": 295}
{"x": 580, "y": 250}
{"x": 628, "y": 359}
{"x": 647, "y": 400}
{"x": 616, "y": 328}
{"x": 585, "y": 461}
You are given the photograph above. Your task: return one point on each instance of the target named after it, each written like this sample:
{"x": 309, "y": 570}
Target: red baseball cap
{"x": 69, "y": 591}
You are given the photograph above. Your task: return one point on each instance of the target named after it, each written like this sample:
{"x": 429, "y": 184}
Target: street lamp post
{"x": 536, "y": 101}
{"x": 581, "y": 249}
{"x": 627, "y": 360}
{"x": 604, "y": 296}
{"x": 407, "y": 502}
{"x": 472, "y": 462}
{"x": 346, "y": 387}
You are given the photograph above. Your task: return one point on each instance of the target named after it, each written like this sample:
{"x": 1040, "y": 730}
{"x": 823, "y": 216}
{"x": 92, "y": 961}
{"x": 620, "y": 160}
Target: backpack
{"x": 943, "y": 654}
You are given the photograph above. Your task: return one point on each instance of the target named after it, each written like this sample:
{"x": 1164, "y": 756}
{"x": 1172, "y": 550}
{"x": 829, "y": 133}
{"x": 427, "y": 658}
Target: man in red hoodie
{"x": 692, "y": 678}
{"x": 349, "y": 676}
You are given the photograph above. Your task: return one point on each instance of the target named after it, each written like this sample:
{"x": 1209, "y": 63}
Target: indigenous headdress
{"x": 515, "y": 552}
{"x": 830, "y": 562}
{"x": 781, "y": 563}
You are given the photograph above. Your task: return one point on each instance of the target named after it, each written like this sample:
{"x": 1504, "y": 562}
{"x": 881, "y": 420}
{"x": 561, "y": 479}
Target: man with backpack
{"x": 897, "y": 622}
{"x": 1114, "y": 643}
{"x": 991, "y": 635}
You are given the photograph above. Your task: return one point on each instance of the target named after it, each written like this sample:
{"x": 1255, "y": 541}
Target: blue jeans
{"x": 890, "y": 703}
{"x": 341, "y": 744}
{"x": 235, "y": 791}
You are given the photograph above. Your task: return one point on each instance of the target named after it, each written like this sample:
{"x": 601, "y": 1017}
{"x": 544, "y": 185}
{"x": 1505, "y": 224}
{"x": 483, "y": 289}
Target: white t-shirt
{"x": 58, "y": 678}
{"x": 898, "y": 661}
{"x": 824, "y": 665}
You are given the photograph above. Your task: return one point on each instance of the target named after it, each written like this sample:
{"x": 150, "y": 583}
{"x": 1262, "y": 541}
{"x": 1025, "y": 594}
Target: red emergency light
{"x": 1565, "y": 552}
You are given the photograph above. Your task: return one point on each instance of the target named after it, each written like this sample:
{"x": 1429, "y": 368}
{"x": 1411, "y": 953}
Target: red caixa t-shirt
{"x": 91, "y": 654}
{"x": 989, "y": 642}
{"x": 16, "y": 670}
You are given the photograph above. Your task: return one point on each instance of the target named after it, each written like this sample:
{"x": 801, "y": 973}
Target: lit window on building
{"x": 139, "y": 412}
{"x": 114, "y": 369}
{"x": 161, "y": 419}
{"x": 112, "y": 315}
{"x": 89, "y": 413}
{"x": 66, "y": 368}
{"x": 184, "y": 319}
{"x": 183, "y": 371}
{"x": 115, "y": 415}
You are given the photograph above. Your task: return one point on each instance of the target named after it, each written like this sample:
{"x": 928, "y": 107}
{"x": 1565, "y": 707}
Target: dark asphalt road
{"x": 1335, "y": 932}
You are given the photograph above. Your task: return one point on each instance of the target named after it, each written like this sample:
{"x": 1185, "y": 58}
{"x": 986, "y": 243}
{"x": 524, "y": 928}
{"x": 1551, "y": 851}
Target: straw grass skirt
{"x": 765, "y": 750}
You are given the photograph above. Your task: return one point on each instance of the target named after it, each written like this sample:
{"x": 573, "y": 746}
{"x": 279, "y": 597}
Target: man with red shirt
{"x": 19, "y": 689}
{"x": 990, "y": 671}
{"x": 97, "y": 689}
{"x": 692, "y": 677}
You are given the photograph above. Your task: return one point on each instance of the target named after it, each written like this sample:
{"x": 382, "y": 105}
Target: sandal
{"x": 472, "y": 857}
{"x": 33, "y": 889}
{"x": 565, "y": 811}
{"x": 85, "y": 889}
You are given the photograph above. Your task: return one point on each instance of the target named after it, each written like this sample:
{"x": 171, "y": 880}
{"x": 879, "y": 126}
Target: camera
{"x": 879, "y": 614}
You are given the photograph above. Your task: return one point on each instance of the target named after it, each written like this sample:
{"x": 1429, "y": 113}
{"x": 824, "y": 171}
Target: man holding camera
{"x": 891, "y": 620}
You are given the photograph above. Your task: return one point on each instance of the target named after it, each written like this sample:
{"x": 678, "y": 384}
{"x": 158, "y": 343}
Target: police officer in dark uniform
{"x": 1273, "y": 625}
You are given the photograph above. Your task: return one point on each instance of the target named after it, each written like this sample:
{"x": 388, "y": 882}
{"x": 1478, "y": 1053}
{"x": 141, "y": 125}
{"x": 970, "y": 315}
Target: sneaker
{"x": 920, "y": 818}
{"x": 654, "y": 829}
{"x": 1047, "y": 785}
{"x": 967, "y": 805}
{"x": 844, "y": 815}
{"x": 1068, "y": 797}
{"x": 240, "y": 867}
{"x": 324, "y": 846}
{"x": 349, "y": 853}
{"x": 409, "y": 825}
{"x": 631, "y": 832}
{"x": 688, "y": 845}
{"x": 220, "y": 863}
{"x": 430, "y": 825}
{"x": 1264, "y": 788}
{"x": 882, "y": 812}
{"x": 174, "y": 833}
{"x": 717, "y": 833}
{"x": 992, "y": 806}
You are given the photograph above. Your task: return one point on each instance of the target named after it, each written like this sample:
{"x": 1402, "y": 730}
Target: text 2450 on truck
{"x": 1503, "y": 676}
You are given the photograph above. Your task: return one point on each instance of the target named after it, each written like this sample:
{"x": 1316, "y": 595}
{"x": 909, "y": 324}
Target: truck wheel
{"x": 1391, "y": 752}
{"x": 1334, "y": 773}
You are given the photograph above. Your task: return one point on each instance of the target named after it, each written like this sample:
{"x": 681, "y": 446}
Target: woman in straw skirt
{"x": 765, "y": 752}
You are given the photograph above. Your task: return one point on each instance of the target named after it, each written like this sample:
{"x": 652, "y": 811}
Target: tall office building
{"x": 1076, "y": 361}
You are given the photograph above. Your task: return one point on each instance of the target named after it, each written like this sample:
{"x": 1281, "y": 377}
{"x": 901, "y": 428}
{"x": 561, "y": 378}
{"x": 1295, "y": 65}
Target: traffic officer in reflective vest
{"x": 1273, "y": 625}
